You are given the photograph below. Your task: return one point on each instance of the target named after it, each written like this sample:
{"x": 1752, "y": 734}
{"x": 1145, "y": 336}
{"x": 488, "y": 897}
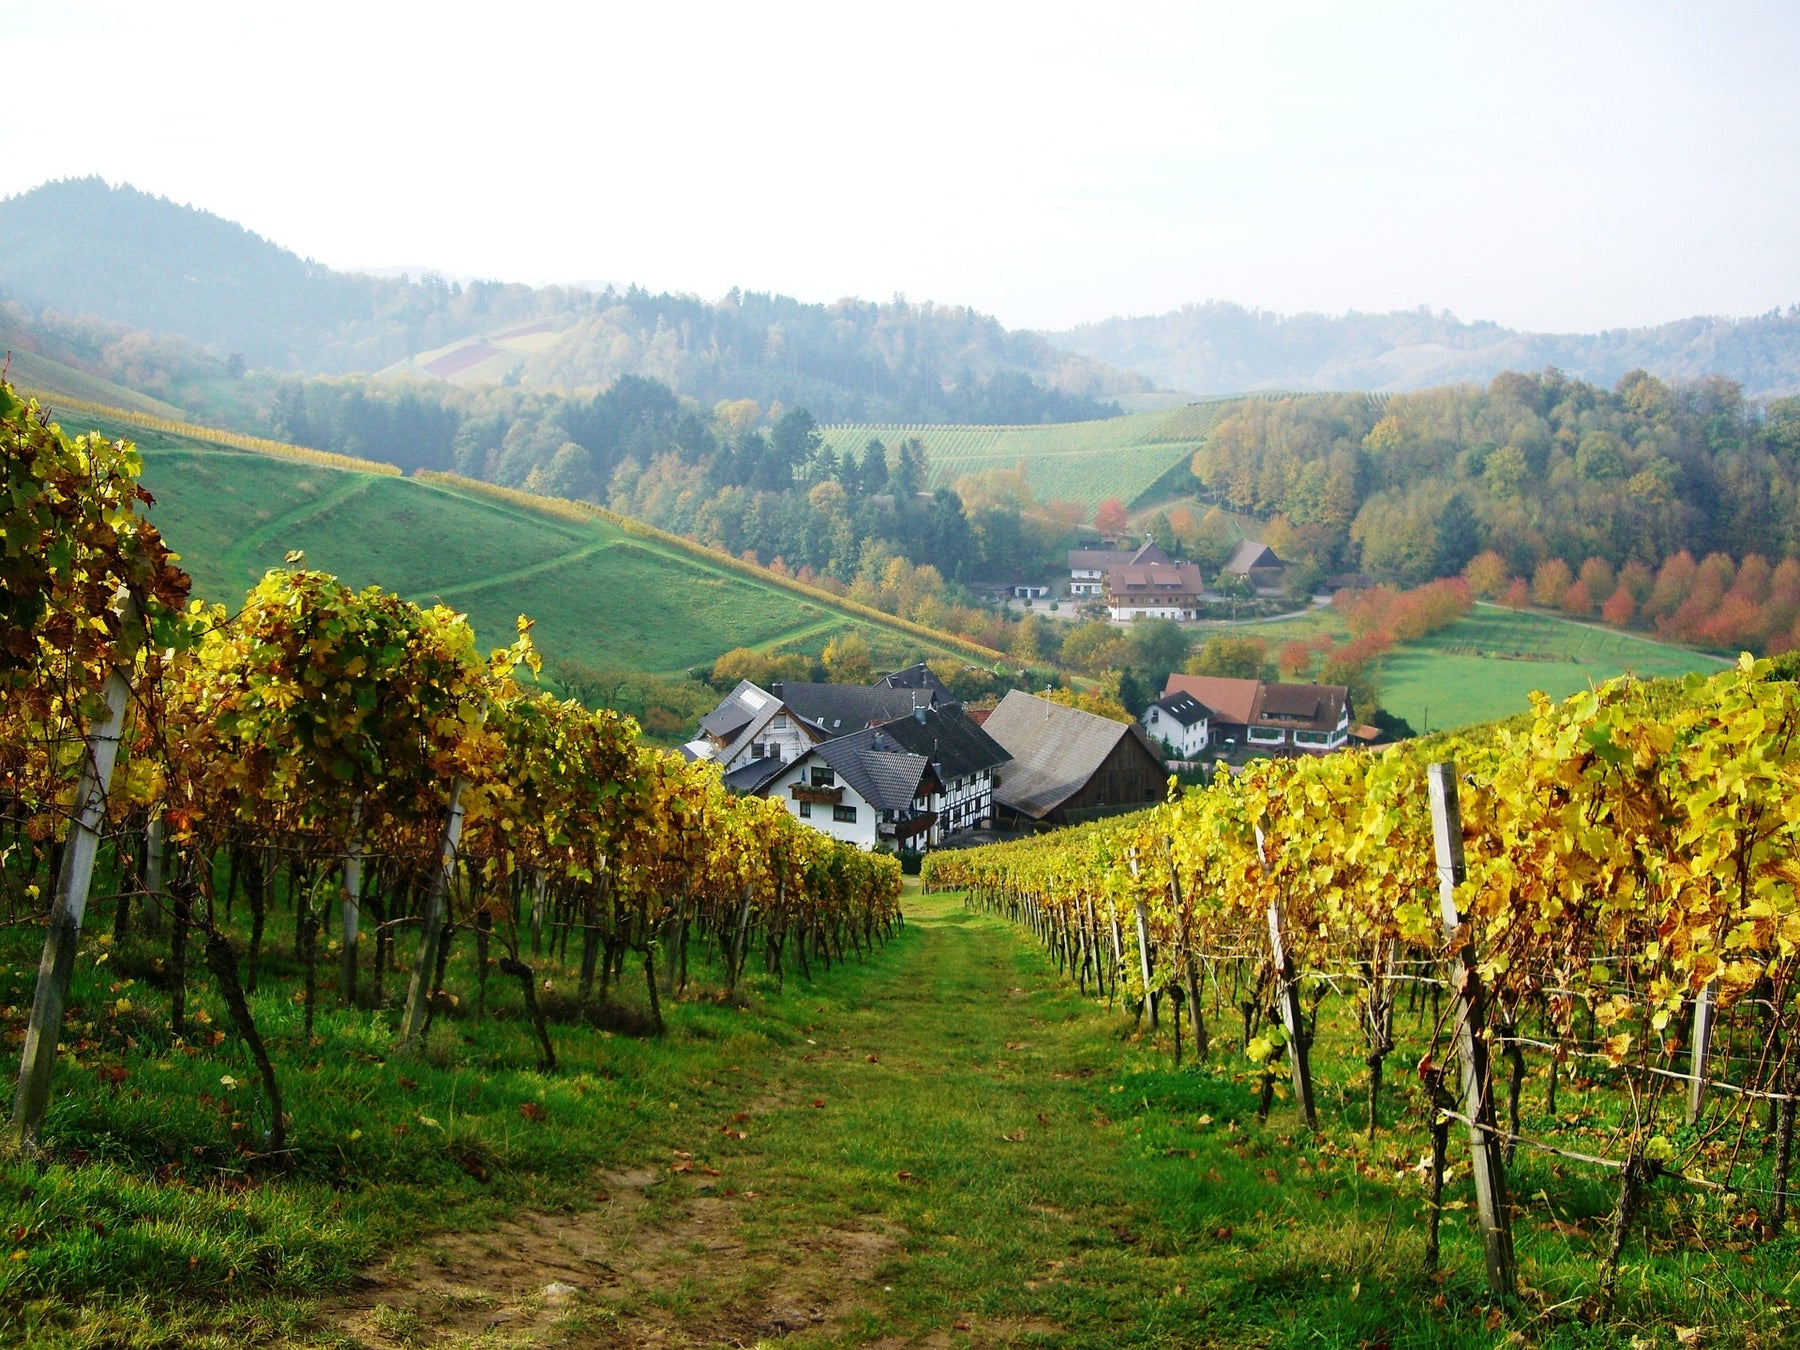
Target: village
{"x": 901, "y": 765}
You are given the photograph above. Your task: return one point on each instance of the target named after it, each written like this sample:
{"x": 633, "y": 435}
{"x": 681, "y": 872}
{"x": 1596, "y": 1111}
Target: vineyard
{"x": 1601, "y": 903}
{"x": 344, "y": 764}
{"x": 1077, "y": 461}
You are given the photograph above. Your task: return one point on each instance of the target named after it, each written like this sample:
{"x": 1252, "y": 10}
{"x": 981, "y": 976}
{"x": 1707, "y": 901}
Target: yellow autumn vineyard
{"x": 354, "y": 755}
{"x": 1632, "y": 859}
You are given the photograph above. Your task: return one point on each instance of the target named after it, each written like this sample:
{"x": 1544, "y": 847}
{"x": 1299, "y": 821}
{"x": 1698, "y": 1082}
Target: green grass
{"x": 1485, "y": 666}
{"x": 1079, "y": 461}
{"x": 1441, "y": 682}
{"x": 944, "y": 1146}
{"x": 601, "y": 597}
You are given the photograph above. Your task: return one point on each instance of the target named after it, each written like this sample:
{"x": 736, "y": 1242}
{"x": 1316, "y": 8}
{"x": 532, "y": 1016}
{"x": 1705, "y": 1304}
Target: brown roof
{"x": 1232, "y": 700}
{"x": 1155, "y": 579}
{"x": 1249, "y": 555}
{"x": 1301, "y": 707}
{"x": 1055, "y": 750}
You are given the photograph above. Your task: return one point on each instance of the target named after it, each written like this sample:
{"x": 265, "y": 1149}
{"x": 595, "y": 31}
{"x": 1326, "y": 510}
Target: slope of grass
{"x": 944, "y": 1146}
{"x": 1486, "y": 665}
{"x": 52, "y": 381}
{"x": 600, "y": 597}
{"x": 1078, "y": 461}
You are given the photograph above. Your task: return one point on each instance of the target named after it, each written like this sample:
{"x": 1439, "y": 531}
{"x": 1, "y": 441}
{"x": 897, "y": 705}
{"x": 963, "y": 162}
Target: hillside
{"x": 1083, "y": 462}
{"x": 1219, "y": 348}
{"x": 622, "y": 615}
{"x": 80, "y": 247}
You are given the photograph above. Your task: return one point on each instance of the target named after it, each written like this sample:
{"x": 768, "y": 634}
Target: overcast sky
{"x": 1557, "y": 166}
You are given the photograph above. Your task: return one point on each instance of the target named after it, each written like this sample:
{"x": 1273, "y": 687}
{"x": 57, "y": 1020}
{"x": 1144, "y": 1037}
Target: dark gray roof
{"x": 1315, "y": 707}
{"x": 950, "y": 738}
{"x": 754, "y": 775}
{"x": 1055, "y": 750}
{"x": 1184, "y": 708}
{"x": 1100, "y": 559}
{"x": 916, "y": 676}
{"x": 735, "y": 711}
{"x": 869, "y": 762}
{"x": 839, "y": 709}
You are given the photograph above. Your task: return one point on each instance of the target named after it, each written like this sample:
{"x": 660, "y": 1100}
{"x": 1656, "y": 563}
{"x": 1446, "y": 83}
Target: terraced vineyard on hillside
{"x": 1078, "y": 461}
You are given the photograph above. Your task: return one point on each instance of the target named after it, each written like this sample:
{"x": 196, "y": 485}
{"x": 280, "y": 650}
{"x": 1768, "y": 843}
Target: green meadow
{"x": 943, "y": 1145}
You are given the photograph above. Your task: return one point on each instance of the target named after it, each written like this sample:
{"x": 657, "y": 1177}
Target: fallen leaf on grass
{"x": 741, "y": 1117}
{"x": 712, "y": 1171}
{"x": 1223, "y": 1233}
{"x": 873, "y": 1059}
{"x": 818, "y": 1102}
{"x": 959, "y": 1326}
{"x": 1016, "y": 1137}
{"x": 682, "y": 1167}
{"x": 532, "y": 1111}
{"x": 1017, "y": 1045}
{"x": 1492, "y": 1320}
{"x": 903, "y": 1176}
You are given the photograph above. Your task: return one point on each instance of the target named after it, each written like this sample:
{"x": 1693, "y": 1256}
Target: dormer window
{"x": 780, "y": 723}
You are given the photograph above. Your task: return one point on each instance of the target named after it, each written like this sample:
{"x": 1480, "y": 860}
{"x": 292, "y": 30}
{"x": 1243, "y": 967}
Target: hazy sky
{"x": 1556, "y": 166}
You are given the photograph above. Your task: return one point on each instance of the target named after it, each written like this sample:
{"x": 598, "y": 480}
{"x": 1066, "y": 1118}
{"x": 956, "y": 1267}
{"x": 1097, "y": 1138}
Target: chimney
{"x": 919, "y": 716}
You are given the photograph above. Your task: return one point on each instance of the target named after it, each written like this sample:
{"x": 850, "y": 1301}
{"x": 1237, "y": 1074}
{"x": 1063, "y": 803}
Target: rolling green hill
{"x": 617, "y": 604}
{"x": 1078, "y": 461}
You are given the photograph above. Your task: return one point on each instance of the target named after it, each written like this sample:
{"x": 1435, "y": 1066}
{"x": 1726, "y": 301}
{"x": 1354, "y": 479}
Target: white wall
{"x": 862, "y": 831}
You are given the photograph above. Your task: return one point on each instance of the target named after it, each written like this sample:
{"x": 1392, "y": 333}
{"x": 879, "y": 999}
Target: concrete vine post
{"x": 1471, "y": 1038}
{"x": 352, "y": 909}
{"x": 1705, "y": 1010}
{"x": 431, "y": 935}
{"x": 32, "y": 1096}
{"x": 1143, "y": 937}
{"x": 1287, "y": 998}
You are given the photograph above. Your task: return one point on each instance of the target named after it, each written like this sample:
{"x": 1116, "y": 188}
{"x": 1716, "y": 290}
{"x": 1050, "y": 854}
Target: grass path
{"x": 946, "y": 1154}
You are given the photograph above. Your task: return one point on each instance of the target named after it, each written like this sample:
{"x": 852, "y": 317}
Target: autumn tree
{"x": 1110, "y": 519}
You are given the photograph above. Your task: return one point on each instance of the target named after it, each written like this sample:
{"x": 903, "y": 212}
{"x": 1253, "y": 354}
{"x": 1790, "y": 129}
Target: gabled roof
{"x": 1151, "y": 580}
{"x": 872, "y": 766}
{"x": 1055, "y": 750}
{"x": 736, "y": 711}
{"x": 1184, "y": 708}
{"x": 916, "y": 676}
{"x": 753, "y": 776}
{"x": 1250, "y": 554}
{"x": 1230, "y": 700}
{"x": 1099, "y": 559}
{"x": 1302, "y": 707}
{"x": 950, "y": 738}
{"x": 838, "y": 709}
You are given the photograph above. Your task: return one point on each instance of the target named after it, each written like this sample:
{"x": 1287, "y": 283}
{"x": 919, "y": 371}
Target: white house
{"x": 862, "y": 788}
{"x": 1180, "y": 722}
{"x": 751, "y": 724}
{"x": 1087, "y": 566}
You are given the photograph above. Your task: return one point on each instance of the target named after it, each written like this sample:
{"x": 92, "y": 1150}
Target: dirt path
{"x": 799, "y": 1215}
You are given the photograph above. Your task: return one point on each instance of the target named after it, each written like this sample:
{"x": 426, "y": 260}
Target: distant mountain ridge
{"x": 80, "y": 247}
{"x": 1220, "y": 348}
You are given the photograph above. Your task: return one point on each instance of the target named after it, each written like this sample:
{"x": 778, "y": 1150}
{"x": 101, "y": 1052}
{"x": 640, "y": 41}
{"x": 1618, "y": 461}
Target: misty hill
{"x": 1219, "y": 348}
{"x": 82, "y": 248}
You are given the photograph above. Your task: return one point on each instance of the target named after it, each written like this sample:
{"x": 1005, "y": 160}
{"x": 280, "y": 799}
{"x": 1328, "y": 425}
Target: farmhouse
{"x": 1257, "y": 564}
{"x": 1067, "y": 764}
{"x": 1178, "y": 721}
{"x": 1087, "y": 566}
{"x": 1153, "y": 591}
{"x": 1293, "y": 718}
{"x": 865, "y": 738}
{"x": 862, "y": 788}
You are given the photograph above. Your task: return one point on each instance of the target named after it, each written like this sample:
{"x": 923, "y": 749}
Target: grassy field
{"x": 1486, "y": 665}
{"x": 1079, "y": 461}
{"x": 600, "y": 596}
{"x": 943, "y": 1147}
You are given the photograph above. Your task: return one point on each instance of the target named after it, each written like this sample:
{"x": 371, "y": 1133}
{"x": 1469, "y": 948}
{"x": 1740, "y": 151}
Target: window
{"x": 806, "y": 810}
{"x": 845, "y": 815}
{"x": 823, "y": 777}
{"x": 756, "y": 751}
{"x": 780, "y": 723}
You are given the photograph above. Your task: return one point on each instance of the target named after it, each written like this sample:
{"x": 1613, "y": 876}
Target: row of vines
{"x": 1604, "y": 893}
{"x": 356, "y": 756}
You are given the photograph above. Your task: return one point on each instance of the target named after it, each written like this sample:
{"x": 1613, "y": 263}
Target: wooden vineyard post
{"x": 431, "y": 936}
{"x": 1471, "y": 1042}
{"x": 352, "y": 907}
{"x": 1705, "y": 1010}
{"x": 539, "y": 885}
{"x": 1143, "y": 937}
{"x": 1202, "y": 1047}
{"x": 1287, "y": 998}
{"x": 32, "y": 1097}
